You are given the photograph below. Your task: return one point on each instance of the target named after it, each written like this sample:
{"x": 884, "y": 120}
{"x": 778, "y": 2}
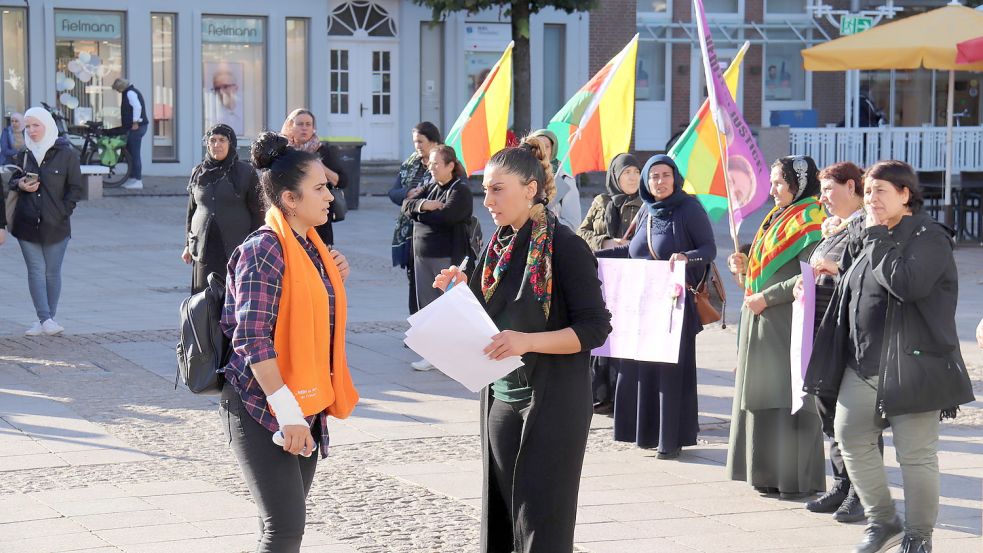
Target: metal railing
{"x": 921, "y": 147}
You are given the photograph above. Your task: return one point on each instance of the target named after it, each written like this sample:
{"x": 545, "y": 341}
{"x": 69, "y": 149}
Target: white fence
{"x": 921, "y": 147}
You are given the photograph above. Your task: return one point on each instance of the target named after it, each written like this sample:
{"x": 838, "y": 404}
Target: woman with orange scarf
{"x": 285, "y": 312}
{"x": 777, "y": 452}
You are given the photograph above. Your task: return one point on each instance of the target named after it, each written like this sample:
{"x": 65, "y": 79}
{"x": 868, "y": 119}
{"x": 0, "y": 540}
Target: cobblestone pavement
{"x": 403, "y": 471}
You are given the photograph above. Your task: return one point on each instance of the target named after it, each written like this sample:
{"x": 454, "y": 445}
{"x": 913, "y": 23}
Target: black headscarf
{"x": 612, "y": 215}
{"x": 662, "y": 209}
{"x": 212, "y": 170}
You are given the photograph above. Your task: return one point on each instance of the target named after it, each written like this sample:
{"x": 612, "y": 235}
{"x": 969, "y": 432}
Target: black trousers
{"x": 278, "y": 481}
{"x": 505, "y": 422}
{"x": 414, "y": 305}
{"x": 604, "y": 379}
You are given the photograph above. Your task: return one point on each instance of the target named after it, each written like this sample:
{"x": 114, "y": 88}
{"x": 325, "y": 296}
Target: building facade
{"x": 368, "y": 69}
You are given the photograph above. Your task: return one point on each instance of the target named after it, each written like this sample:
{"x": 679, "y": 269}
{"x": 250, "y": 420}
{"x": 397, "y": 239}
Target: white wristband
{"x": 286, "y": 407}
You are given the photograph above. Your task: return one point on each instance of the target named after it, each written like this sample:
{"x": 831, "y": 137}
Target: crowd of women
{"x": 886, "y": 348}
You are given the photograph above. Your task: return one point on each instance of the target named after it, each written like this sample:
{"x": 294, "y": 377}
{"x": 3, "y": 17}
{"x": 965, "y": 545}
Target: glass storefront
{"x": 89, "y": 56}
{"x": 164, "y": 52}
{"x": 918, "y": 97}
{"x": 233, "y": 54}
{"x": 13, "y": 61}
{"x": 298, "y": 62}
{"x": 653, "y": 6}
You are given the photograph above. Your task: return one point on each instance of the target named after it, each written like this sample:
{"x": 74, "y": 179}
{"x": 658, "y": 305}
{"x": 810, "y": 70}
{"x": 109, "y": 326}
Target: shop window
{"x": 351, "y": 18}
{"x": 787, "y": 7}
{"x": 13, "y": 60}
{"x": 722, "y": 6}
{"x": 298, "y": 63}
{"x": 163, "y": 43}
{"x": 554, "y": 63}
{"x": 89, "y": 56}
{"x": 650, "y": 81}
{"x": 340, "y": 72}
{"x": 233, "y": 54}
{"x": 653, "y": 6}
{"x": 784, "y": 77}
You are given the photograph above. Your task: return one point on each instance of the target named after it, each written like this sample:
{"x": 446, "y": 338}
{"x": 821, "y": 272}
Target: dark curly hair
{"x": 280, "y": 167}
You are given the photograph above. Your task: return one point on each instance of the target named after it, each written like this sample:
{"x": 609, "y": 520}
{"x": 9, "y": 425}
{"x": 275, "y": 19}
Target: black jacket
{"x": 233, "y": 203}
{"x": 43, "y": 217}
{"x": 331, "y": 161}
{"x": 554, "y": 437}
{"x": 443, "y": 232}
{"x": 921, "y": 367}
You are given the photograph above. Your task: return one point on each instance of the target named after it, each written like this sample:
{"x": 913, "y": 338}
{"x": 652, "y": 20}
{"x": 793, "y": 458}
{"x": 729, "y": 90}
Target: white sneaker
{"x": 50, "y": 327}
{"x": 35, "y": 330}
{"x": 422, "y": 365}
{"x": 133, "y": 184}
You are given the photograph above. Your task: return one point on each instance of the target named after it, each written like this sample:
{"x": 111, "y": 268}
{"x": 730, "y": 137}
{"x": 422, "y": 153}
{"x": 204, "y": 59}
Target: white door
{"x": 363, "y": 77}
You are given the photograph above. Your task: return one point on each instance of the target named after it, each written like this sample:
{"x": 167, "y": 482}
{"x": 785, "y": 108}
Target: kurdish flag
{"x": 595, "y": 125}
{"x": 480, "y": 129}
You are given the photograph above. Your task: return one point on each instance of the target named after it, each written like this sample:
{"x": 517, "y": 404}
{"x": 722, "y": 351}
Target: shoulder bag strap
{"x": 648, "y": 238}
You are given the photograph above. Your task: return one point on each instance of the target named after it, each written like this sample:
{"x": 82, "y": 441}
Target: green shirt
{"x": 513, "y": 387}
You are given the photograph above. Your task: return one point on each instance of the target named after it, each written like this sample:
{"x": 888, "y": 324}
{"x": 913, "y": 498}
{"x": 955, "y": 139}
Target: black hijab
{"x": 212, "y": 170}
{"x": 612, "y": 214}
{"x": 662, "y": 209}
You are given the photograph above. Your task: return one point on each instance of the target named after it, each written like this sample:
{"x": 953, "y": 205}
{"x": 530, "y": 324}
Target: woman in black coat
{"x": 655, "y": 404}
{"x": 440, "y": 218}
{"x": 538, "y": 281}
{"x": 49, "y": 185}
{"x": 887, "y": 353}
{"x": 300, "y": 128}
{"x": 224, "y": 206}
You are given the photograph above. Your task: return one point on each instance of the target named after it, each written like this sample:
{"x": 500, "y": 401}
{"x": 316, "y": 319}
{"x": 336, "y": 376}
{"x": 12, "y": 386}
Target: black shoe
{"x": 765, "y": 490}
{"x": 851, "y": 510}
{"x": 674, "y": 454}
{"x": 603, "y": 408}
{"x": 795, "y": 496}
{"x": 915, "y": 544}
{"x": 828, "y": 502}
{"x": 880, "y": 536}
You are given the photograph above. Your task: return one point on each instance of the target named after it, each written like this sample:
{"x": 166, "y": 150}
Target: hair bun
{"x": 267, "y": 148}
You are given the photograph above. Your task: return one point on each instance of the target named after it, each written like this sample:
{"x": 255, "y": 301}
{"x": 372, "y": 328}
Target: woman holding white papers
{"x": 538, "y": 282}
{"x": 440, "y": 218}
{"x": 655, "y": 404}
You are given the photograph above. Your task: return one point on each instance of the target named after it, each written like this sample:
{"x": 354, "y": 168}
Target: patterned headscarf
{"x": 539, "y": 259}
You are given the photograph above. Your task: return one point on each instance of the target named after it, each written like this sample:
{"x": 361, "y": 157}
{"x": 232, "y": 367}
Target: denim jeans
{"x": 134, "y": 139}
{"x": 44, "y": 275}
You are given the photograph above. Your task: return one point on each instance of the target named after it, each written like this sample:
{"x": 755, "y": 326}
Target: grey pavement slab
{"x": 99, "y": 453}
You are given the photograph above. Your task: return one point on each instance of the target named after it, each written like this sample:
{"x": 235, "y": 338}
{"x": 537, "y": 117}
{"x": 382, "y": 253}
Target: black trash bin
{"x": 346, "y": 152}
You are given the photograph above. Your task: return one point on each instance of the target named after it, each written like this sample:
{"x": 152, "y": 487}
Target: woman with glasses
{"x": 224, "y": 206}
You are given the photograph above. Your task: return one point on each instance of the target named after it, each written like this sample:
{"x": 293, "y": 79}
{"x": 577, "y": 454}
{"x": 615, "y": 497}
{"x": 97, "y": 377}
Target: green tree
{"x": 518, "y": 11}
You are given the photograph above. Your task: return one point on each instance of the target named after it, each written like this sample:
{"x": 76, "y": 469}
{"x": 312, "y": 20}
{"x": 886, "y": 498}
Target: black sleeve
{"x": 191, "y": 207}
{"x": 330, "y": 160}
{"x": 457, "y": 209}
{"x": 73, "y": 181}
{"x": 254, "y": 201}
{"x": 397, "y": 193}
{"x": 575, "y": 270}
{"x": 620, "y": 252}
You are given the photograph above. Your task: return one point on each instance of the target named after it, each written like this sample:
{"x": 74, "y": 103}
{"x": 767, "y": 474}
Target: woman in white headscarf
{"x": 49, "y": 184}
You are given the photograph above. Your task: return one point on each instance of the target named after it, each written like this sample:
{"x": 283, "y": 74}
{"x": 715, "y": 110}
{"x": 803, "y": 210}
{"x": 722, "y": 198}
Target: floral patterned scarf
{"x": 311, "y": 146}
{"x": 539, "y": 260}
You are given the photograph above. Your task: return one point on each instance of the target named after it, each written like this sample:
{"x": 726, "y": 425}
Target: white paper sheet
{"x": 647, "y": 322}
{"x": 452, "y": 333}
{"x": 803, "y": 323}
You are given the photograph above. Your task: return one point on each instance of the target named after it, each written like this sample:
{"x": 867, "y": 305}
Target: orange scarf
{"x": 314, "y": 370}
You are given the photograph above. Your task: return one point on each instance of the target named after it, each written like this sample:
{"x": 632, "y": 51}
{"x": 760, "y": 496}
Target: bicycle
{"x": 97, "y": 146}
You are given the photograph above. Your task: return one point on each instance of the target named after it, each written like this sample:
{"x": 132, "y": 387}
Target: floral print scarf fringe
{"x": 311, "y": 146}
{"x": 539, "y": 260}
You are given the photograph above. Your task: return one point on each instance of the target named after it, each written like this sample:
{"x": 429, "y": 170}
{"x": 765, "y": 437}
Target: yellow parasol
{"x": 926, "y": 40}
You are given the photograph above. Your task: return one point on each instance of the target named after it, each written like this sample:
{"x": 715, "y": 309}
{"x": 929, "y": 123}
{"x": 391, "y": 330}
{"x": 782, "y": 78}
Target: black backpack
{"x": 203, "y": 348}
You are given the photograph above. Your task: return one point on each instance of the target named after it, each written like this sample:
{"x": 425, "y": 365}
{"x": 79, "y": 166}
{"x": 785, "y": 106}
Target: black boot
{"x": 851, "y": 510}
{"x": 829, "y": 501}
{"x": 878, "y": 536}
{"x": 915, "y": 544}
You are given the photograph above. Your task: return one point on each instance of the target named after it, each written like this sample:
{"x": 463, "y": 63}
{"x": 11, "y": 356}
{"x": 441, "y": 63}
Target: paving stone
{"x": 151, "y": 534}
{"x": 54, "y": 544}
{"x": 38, "y": 528}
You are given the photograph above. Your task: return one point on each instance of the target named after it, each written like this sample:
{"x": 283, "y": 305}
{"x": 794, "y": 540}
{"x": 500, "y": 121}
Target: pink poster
{"x": 646, "y": 301}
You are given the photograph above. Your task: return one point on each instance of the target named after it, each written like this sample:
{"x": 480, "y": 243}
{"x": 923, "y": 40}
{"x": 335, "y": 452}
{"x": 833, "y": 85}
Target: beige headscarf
{"x": 41, "y": 147}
